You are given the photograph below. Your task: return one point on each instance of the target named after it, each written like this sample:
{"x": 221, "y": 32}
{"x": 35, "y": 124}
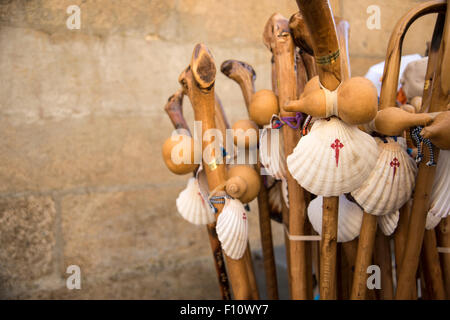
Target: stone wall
{"x": 82, "y": 123}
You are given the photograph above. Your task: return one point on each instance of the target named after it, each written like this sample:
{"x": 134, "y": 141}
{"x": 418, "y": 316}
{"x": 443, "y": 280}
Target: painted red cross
{"x": 337, "y": 145}
{"x": 395, "y": 164}
{"x": 201, "y": 197}
{"x": 244, "y": 216}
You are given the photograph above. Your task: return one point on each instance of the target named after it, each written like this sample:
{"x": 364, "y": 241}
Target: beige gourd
{"x": 356, "y": 99}
{"x": 263, "y": 105}
{"x": 183, "y": 143}
{"x": 243, "y": 183}
{"x": 392, "y": 121}
{"x": 247, "y": 131}
{"x": 439, "y": 131}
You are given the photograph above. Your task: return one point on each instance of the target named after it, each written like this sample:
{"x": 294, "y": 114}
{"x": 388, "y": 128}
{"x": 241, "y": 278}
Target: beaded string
{"x": 221, "y": 200}
{"x": 418, "y": 139}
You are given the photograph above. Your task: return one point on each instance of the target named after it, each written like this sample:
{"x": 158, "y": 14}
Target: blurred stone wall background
{"x": 82, "y": 124}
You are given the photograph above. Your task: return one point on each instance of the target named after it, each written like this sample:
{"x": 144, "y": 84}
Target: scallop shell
{"x": 440, "y": 194}
{"x": 432, "y": 221}
{"x": 192, "y": 206}
{"x": 391, "y": 182}
{"x": 232, "y": 228}
{"x": 388, "y": 222}
{"x": 333, "y": 159}
{"x": 349, "y": 218}
{"x": 271, "y": 152}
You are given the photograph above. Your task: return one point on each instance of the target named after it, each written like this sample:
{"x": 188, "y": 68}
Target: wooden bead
{"x": 248, "y": 184}
{"x": 178, "y": 154}
{"x": 263, "y": 105}
{"x": 247, "y": 131}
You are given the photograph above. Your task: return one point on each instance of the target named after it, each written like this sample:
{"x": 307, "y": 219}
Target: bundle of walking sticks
{"x": 360, "y": 183}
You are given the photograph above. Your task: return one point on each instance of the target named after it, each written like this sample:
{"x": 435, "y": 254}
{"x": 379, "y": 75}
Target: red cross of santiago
{"x": 337, "y": 145}
{"x": 395, "y": 164}
{"x": 244, "y": 216}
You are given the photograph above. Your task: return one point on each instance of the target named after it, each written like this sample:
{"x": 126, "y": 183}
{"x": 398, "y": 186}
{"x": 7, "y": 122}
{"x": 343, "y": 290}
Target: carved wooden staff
{"x": 318, "y": 17}
{"x": 348, "y": 249}
{"x": 223, "y": 124}
{"x": 431, "y": 266}
{"x": 425, "y": 174}
{"x": 405, "y": 212}
{"x": 174, "y": 109}
{"x": 245, "y": 76}
{"x": 278, "y": 39}
{"x": 387, "y": 99}
{"x": 443, "y": 235}
{"x": 198, "y": 81}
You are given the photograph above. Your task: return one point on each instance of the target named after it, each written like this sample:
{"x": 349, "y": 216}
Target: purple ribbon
{"x": 293, "y": 122}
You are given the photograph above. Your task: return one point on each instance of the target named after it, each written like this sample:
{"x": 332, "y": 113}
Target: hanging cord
{"x": 305, "y": 130}
{"x": 418, "y": 139}
{"x": 292, "y": 122}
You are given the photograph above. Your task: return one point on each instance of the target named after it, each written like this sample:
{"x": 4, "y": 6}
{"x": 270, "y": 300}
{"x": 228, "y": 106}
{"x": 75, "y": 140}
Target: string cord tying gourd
{"x": 331, "y": 99}
{"x": 418, "y": 139}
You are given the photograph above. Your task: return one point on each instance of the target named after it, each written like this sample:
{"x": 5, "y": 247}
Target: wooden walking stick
{"x": 198, "y": 82}
{"x": 400, "y": 235}
{"x": 443, "y": 236}
{"x": 223, "y": 124}
{"x": 431, "y": 266}
{"x": 425, "y": 177}
{"x": 364, "y": 256}
{"x": 278, "y": 39}
{"x": 318, "y": 17}
{"x": 245, "y": 76}
{"x": 387, "y": 99}
{"x": 405, "y": 212}
{"x": 174, "y": 109}
{"x": 382, "y": 258}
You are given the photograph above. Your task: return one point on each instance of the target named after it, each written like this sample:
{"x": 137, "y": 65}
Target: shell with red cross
{"x": 333, "y": 159}
{"x": 391, "y": 182}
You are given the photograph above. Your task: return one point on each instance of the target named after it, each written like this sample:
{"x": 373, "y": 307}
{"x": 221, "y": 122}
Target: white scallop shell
{"x": 440, "y": 194}
{"x": 390, "y": 183}
{"x": 388, "y": 222}
{"x": 191, "y": 205}
{"x": 432, "y": 221}
{"x": 325, "y": 170}
{"x": 349, "y": 218}
{"x": 271, "y": 152}
{"x": 232, "y": 229}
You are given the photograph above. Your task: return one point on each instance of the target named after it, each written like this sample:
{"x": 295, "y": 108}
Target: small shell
{"x": 388, "y": 222}
{"x": 432, "y": 221}
{"x": 191, "y": 205}
{"x": 391, "y": 182}
{"x": 349, "y": 218}
{"x": 333, "y": 159}
{"x": 232, "y": 229}
{"x": 271, "y": 152}
{"x": 440, "y": 194}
